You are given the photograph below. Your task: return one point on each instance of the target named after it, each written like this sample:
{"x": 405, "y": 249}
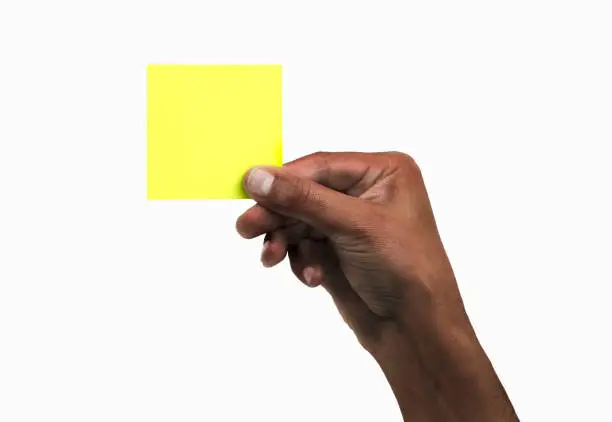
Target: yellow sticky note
{"x": 207, "y": 125}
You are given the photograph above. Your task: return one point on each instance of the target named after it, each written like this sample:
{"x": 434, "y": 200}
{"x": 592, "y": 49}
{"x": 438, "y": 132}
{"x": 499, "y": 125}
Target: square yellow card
{"x": 207, "y": 125}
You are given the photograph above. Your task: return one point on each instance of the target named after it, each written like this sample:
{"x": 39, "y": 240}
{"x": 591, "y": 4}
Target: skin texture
{"x": 361, "y": 226}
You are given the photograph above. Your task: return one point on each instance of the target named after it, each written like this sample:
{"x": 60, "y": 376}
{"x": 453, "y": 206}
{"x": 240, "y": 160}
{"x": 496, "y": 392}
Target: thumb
{"x": 327, "y": 210}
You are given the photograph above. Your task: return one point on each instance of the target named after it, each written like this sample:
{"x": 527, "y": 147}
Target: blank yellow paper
{"x": 207, "y": 125}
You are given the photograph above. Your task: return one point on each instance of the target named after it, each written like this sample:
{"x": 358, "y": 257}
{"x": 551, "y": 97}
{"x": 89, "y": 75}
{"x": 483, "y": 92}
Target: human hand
{"x": 361, "y": 225}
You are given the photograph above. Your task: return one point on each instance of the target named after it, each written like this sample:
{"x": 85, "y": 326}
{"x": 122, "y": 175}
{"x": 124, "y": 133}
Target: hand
{"x": 361, "y": 225}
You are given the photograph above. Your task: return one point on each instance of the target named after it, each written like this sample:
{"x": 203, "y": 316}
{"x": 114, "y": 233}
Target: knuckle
{"x": 295, "y": 194}
{"x": 405, "y": 161}
{"x": 302, "y": 193}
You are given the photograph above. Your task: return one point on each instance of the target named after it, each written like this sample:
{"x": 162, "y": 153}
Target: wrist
{"x": 438, "y": 371}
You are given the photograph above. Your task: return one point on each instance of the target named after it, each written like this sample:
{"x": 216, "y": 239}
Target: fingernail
{"x": 259, "y": 182}
{"x": 308, "y": 275}
{"x": 266, "y": 263}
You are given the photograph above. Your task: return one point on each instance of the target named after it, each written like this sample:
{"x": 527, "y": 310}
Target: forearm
{"x": 441, "y": 373}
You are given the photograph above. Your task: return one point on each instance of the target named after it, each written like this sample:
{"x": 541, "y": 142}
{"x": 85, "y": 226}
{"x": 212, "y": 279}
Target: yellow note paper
{"x": 207, "y": 125}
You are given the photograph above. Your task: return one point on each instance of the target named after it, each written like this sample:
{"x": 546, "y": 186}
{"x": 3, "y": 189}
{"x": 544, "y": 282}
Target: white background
{"x": 113, "y": 308}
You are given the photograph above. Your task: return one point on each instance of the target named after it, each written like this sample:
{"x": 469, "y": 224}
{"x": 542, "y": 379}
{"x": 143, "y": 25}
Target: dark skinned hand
{"x": 361, "y": 226}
